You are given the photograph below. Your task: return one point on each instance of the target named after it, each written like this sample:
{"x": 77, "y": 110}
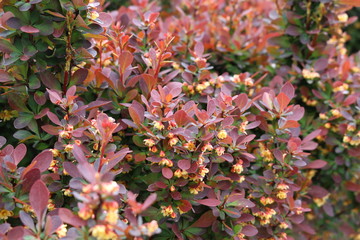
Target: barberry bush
{"x": 185, "y": 119}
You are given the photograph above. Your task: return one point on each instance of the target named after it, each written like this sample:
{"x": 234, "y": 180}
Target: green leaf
{"x": 7, "y": 47}
{"x": 23, "y": 135}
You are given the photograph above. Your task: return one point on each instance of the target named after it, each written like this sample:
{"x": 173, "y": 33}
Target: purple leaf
{"x": 42, "y": 160}
{"x": 68, "y": 217}
{"x": 210, "y": 202}
{"x": 71, "y": 169}
{"x": 39, "y": 197}
{"x": 316, "y": 164}
{"x": 27, "y": 220}
{"x": 249, "y": 230}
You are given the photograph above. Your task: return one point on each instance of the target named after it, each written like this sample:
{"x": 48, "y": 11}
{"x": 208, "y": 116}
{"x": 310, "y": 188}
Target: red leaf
{"x": 210, "y": 202}
{"x": 50, "y": 129}
{"x": 316, "y": 164}
{"x": 283, "y": 101}
{"x": 181, "y": 118}
{"x": 4, "y": 76}
{"x": 184, "y": 164}
{"x": 30, "y": 178}
{"x": 19, "y": 153}
{"x": 167, "y": 173}
{"x": 68, "y": 217}
{"x": 352, "y": 186}
{"x": 39, "y": 197}
{"x": 29, "y": 29}
{"x": 149, "y": 201}
{"x": 312, "y": 135}
{"x": 185, "y": 205}
{"x": 249, "y": 230}
{"x": 42, "y": 160}
{"x": 290, "y": 124}
{"x": 79, "y": 154}
{"x": 71, "y": 169}
{"x": 288, "y": 89}
{"x": 137, "y": 111}
{"x": 52, "y": 224}
{"x": 125, "y": 60}
{"x": 206, "y": 220}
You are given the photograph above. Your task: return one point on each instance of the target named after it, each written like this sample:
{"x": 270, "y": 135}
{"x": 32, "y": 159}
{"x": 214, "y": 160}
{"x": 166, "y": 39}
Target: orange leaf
{"x": 354, "y": 3}
{"x": 283, "y": 100}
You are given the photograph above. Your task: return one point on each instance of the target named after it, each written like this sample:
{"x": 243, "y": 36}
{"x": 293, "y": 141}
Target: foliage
{"x": 178, "y": 120}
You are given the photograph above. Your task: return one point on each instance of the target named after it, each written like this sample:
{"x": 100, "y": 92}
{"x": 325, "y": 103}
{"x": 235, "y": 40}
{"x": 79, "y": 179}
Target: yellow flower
{"x": 61, "y": 231}
{"x": 310, "y": 74}
{"x": 102, "y": 232}
{"x": 283, "y": 225}
{"x": 51, "y": 205}
{"x": 190, "y": 146}
{"x": 168, "y": 211}
{"x": 343, "y": 17}
{"x": 6, "y": 115}
{"x": 166, "y": 162}
{"x": 282, "y": 186}
{"x": 64, "y": 134}
{"x": 5, "y": 214}
{"x": 149, "y": 142}
{"x": 222, "y": 134}
{"x": 68, "y": 148}
{"x": 237, "y": 168}
{"x": 158, "y": 125}
{"x": 335, "y": 113}
{"x": 173, "y": 141}
{"x": 85, "y": 213}
{"x": 220, "y": 151}
{"x": 93, "y": 15}
{"x": 112, "y": 217}
{"x": 67, "y": 192}
{"x": 193, "y": 191}
{"x": 152, "y": 227}
{"x": 282, "y": 194}
{"x": 266, "y": 200}
{"x": 323, "y": 116}
{"x": 55, "y": 152}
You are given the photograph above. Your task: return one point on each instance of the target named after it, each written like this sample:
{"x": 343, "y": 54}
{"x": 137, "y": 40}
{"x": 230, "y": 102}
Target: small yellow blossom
{"x": 281, "y": 194}
{"x": 173, "y": 141}
{"x": 222, "y": 134}
{"x": 190, "y": 146}
{"x": 5, "y": 214}
{"x": 102, "y": 232}
{"x": 6, "y": 115}
{"x": 55, "y": 152}
{"x": 168, "y": 211}
{"x": 220, "y": 151}
{"x": 166, "y": 162}
{"x": 284, "y": 225}
{"x": 335, "y": 113}
{"x": 112, "y": 217}
{"x": 343, "y": 18}
{"x": 68, "y": 148}
{"x": 310, "y": 74}
{"x": 61, "y": 231}
{"x": 149, "y": 142}
{"x": 158, "y": 125}
{"x": 321, "y": 201}
{"x": 237, "y": 168}
{"x": 85, "y": 213}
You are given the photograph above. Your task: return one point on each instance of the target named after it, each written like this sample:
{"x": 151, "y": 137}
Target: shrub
{"x": 159, "y": 120}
